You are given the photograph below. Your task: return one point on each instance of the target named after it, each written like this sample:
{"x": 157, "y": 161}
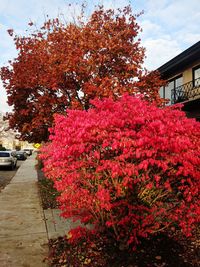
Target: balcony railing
{"x": 187, "y": 91}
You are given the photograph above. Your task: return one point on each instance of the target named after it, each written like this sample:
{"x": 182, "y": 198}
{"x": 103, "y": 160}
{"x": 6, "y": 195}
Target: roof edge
{"x": 191, "y": 51}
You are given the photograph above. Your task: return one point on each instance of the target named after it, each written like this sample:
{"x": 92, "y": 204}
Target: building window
{"x": 161, "y": 92}
{"x": 196, "y": 76}
{"x": 168, "y": 91}
{"x": 172, "y": 90}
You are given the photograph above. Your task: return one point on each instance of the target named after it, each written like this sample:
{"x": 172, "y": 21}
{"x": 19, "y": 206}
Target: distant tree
{"x": 64, "y": 65}
{"x": 4, "y": 127}
{"x": 2, "y": 148}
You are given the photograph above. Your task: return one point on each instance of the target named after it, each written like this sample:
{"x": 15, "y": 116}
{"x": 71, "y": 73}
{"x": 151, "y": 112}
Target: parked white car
{"x": 8, "y": 159}
{"x": 28, "y": 151}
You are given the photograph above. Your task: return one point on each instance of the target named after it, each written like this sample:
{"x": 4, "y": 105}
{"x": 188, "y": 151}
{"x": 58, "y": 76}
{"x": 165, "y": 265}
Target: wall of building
{"x": 187, "y": 74}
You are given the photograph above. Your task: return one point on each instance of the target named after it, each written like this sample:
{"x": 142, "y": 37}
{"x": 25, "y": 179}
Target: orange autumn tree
{"x": 64, "y": 65}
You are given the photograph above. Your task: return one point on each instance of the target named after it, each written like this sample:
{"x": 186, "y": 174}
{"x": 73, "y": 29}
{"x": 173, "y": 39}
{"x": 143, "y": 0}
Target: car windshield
{"x": 4, "y": 154}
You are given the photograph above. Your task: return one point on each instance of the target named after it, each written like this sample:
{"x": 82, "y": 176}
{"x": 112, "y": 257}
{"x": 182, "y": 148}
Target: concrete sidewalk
{"x": 23, "y": 235}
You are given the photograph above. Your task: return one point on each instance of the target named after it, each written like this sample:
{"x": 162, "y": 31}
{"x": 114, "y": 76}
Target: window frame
{"x": 193, "y": 74}
{"x": 174, "y": 86}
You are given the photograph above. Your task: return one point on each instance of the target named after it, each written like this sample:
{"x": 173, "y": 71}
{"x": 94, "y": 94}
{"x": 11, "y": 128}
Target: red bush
{"x": 128, "y": 167}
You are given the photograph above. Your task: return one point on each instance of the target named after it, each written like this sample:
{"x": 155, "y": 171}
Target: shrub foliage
{"x": 128, "y": 167}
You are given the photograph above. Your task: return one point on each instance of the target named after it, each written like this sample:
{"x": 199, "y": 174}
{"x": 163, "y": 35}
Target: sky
{"x": 169, "y": 26}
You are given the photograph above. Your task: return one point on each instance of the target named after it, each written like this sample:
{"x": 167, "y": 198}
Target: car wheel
{"x": 12, "y": 166}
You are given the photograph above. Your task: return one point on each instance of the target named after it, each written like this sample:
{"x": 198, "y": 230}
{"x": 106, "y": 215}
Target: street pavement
{"x": 23, "y": 234}
{"x": 6, "y": 175}
{"x": 25, "y": 228}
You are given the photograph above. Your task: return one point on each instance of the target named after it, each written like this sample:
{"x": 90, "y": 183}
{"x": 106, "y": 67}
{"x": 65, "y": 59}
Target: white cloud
{"x": 7, "y": 51}
{"x": 150, "y": 29}
{"x": 7, "y": 48}
{"x": 3, "y": 100}
{"x": 159, "y": 51}
{"x": 173, "y": 13}
{"x": 191, "y": 38}
{"x": 169, "y": 27}
{"x": 113, "y": 4}
{"x": 17, "y": 14}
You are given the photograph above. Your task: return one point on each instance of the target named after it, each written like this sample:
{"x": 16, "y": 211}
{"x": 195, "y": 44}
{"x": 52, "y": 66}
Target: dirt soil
{"x": 159, "y": 251}
{"x": 47, "y": 192}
